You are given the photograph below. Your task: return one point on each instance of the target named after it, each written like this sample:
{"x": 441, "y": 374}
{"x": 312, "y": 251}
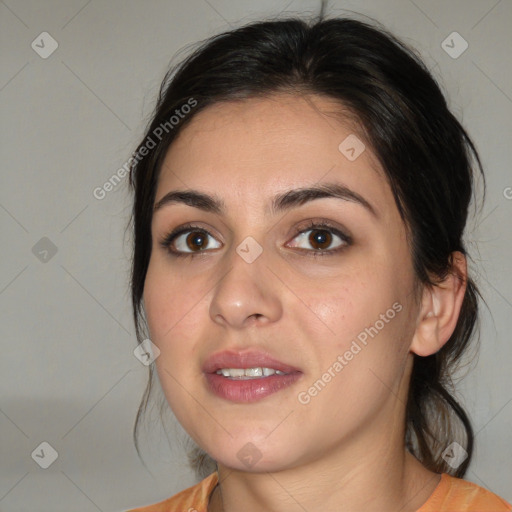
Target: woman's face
{"x": 256, "y": 286}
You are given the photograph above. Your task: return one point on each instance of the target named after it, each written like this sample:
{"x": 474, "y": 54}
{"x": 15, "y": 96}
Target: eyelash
{"x": 168, "y": 240}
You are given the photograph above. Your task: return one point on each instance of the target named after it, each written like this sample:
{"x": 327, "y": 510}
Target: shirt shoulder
{"x": 457, "y": 495}
{"x": 193, "y": 499}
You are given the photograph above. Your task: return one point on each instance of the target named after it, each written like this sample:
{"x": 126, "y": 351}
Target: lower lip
{"x": 250, "y": 390}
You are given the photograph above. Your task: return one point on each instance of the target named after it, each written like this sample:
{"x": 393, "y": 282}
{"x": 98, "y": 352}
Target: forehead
{"x": 248, "y": 150}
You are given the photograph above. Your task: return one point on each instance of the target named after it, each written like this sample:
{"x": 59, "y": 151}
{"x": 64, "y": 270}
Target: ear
{"x": 440, "y": 309}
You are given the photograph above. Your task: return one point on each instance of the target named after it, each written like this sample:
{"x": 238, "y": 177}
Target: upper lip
{"x": 245, "y": 359}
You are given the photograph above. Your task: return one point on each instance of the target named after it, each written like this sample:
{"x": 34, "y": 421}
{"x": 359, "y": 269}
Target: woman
{"x": 300, "y": 200}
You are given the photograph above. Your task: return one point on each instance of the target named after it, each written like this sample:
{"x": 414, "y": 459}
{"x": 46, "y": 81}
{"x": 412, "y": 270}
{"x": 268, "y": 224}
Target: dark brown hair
{"x": 426, "y": 154}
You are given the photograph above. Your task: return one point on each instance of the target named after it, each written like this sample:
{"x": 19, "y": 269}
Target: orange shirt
{"x": 450, "y": 495}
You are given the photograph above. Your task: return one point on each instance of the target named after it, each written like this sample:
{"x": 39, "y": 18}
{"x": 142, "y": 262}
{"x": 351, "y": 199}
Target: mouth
{"x": 245, "y": 377}
{"x": 248, "y": 373}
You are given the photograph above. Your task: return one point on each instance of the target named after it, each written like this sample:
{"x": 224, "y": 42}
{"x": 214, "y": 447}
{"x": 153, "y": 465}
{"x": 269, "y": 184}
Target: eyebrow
{"x": 280, "y": 203}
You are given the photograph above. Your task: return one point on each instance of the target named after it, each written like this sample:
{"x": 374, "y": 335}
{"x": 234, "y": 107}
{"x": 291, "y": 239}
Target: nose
{"x": 246, "y": 294}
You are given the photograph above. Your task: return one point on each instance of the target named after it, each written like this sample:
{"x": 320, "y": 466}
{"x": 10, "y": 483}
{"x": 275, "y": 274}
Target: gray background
{"x": 68, "y": 122}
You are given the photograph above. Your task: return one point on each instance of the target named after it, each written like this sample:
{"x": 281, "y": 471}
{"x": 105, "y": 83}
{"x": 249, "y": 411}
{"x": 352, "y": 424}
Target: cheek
{"x": 169, "y": 313}
{"x": 360, "y": 373}
{"x": 170, "y": 303}
{"x": 160, "y": 307}
{"x": 363, "y": 320}
{"x": 350, "y": 304}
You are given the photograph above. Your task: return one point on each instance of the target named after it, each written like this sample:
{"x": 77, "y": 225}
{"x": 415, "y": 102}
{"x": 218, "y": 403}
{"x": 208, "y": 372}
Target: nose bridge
{"x": 245, "y": 290}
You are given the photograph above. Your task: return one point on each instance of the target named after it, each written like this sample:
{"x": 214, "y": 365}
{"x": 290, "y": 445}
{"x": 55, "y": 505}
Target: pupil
{"x": 195, "y": 240}
{"x": 321, "y": 238}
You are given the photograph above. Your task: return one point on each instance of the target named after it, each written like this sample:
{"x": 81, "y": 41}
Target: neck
{"x": 378, "y": 476}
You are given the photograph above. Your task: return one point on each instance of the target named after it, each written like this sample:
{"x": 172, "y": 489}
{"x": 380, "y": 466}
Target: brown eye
{"x": 320, "y": 239}
{"x": 189, "y": 240}
{"x": 196, "y": 240}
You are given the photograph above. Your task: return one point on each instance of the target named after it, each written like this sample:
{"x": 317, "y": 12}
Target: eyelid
{"x": 168, "y": 240}
{"x": 323, "y": 225}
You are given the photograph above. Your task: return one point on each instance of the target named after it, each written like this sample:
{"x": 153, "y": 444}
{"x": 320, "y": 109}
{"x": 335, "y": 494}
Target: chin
{"x": 255, "y": 456}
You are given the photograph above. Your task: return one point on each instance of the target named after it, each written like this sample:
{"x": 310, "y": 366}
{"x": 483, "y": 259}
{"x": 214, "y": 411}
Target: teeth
{"x": 248, "y": 373}
{"x": 254, "y": 372}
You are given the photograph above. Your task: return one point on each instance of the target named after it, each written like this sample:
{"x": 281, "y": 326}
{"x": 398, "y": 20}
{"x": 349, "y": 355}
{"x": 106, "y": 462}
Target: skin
{"x": 344, "y": 450}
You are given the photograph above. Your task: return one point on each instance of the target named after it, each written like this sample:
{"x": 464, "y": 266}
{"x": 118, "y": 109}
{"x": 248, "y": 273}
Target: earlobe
{"x": 440, "y": 309}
